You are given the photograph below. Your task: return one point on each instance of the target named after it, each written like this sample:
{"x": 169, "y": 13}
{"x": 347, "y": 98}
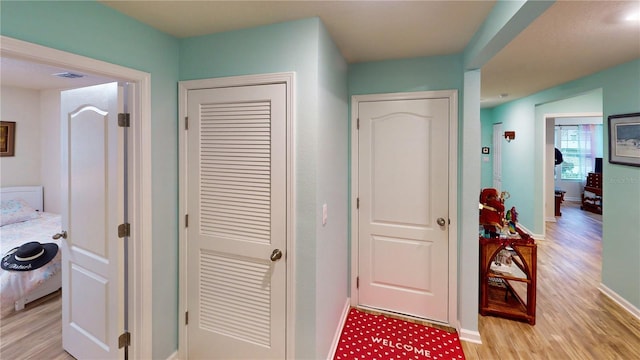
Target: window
{"x": 580, "y": 145}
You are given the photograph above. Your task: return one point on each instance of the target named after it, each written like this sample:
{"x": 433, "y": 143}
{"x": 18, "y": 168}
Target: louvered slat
{"x": 235, "y": 170}
{"x": 234, "y": 299}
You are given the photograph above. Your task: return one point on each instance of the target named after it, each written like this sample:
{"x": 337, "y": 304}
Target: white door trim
{"x": 452, "y": 95}
{"x": 287, "y": 78}
{"x": 141, "y": 296}
{"x": 548, "y": 199}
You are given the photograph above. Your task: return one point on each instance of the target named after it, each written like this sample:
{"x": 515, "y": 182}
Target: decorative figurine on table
{"x": 491, "y": 211}
{"x": 512, "y": 220}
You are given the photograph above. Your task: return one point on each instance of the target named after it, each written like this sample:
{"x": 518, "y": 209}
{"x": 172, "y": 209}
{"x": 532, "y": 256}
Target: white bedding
{"x": 15, "y": 285}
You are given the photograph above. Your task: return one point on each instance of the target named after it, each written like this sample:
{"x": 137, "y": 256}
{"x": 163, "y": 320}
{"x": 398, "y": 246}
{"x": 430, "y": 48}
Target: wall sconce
{"x": 509, "y": 135}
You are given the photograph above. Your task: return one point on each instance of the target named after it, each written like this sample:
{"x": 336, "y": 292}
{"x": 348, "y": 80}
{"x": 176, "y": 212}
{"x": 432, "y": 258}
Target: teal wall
{"x": 621, "y": 190}
{"x": 320, "y": 125}
{"x": 96, "y": 31}
{"x": 486, "y": 140}
{"x": 332, "y": 272}
{"x": 532, "y": 217}
{"x": 620, "y": 88}
{"x": 416, "y": 74}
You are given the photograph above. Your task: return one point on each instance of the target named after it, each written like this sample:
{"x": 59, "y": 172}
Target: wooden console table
{"x": 508, "y": 277}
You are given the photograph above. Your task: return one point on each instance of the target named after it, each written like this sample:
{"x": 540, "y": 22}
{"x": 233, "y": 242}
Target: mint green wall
{"x": 486, "y": 139}
{"x": 320, "y": 118}
{"x": 531, "y": 216}
{"x": 621, "y": 206}
{"x": 416, "y": 74}
{"x": 96, "y": 31}
{"x": 590, "y": 101}
{"x": 621, "y": 190}
{"x": 332, "y": 272}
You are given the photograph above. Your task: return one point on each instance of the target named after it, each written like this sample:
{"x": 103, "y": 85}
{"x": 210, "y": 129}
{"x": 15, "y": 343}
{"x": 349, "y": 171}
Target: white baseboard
{"x": 551, "y": 219}
{"x": 336, "y": 337}
{"x": 468, "y": 335}
{"x": 173, "y": 356}
{"x": 620, "y": 300}
{"x": 535, "y": 236}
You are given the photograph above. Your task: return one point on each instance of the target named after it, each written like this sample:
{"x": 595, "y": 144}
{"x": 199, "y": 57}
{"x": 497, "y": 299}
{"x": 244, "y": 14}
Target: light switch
{"x": 324, "y": 214}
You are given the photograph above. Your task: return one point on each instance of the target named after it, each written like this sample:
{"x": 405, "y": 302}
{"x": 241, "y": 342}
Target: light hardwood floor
{"x": 574, "y": 320}
{"x": 35, "y": 332}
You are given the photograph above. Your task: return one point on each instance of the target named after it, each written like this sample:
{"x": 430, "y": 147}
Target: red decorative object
{"x": 492, "y": 210}
{"x": 367, "y": 336}
{"x": 509, "y": 135}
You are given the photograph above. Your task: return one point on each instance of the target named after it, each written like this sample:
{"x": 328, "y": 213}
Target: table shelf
{"x": 508, "y": 278}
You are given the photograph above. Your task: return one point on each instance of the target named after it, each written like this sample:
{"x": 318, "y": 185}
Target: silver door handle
{"x": 441, "y": 221}
{"x": 276, "y": 255}
{"x": 62, "y": 234}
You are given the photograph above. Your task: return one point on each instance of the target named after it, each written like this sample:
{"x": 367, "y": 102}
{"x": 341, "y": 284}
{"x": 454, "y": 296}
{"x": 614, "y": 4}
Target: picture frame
{"x": 624, "y": 139}
{"x": 7, "y": 138}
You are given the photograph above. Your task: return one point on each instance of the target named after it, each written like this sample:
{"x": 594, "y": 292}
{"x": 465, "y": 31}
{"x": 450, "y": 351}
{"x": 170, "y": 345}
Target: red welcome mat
{"x": 367, "y": 336}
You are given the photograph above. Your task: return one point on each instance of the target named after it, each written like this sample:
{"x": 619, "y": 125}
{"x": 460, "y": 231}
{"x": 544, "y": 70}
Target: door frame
{"x": 288, "y": 78}
{"x": 548, "y": 162}
{"x": 140, "y": 281}
{"x": 452, "y": 95}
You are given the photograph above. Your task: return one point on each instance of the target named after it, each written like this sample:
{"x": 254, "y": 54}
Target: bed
{"x": 18, "y": 288}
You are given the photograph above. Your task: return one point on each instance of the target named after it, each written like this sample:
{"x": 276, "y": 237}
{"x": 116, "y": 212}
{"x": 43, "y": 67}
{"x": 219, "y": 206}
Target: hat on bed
{"x": 29, "y": 256}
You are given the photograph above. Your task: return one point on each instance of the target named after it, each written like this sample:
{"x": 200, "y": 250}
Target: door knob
{"x": 276, "y": 255}
{"x": 441, "y": 221}
{"x": 62, "y": 234}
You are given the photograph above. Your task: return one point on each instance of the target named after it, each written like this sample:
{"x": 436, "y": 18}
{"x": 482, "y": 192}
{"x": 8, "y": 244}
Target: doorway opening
{"x": 140, "y": 295}
{"x": 567, "y": 177}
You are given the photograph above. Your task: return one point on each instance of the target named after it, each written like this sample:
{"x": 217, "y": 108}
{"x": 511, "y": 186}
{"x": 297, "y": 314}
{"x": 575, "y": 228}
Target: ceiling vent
{"x": 68, "y": 75}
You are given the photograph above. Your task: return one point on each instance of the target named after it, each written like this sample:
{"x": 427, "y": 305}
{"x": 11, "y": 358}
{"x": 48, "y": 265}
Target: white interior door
{"x": 236, "y": 271}
{"x": 404, "y": 212}
{"x": 92, "y": 209}
{"x": 497, "y": 156}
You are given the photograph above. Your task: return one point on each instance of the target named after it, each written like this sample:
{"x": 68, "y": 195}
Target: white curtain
{"x": 580, "y": 146}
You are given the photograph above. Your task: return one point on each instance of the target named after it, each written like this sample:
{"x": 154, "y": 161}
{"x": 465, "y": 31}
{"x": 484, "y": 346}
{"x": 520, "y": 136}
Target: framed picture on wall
{"x": 624, "y": 139}
{"x": 7, "y": 138}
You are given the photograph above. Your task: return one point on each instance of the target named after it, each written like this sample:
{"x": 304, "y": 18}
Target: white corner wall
{"x": 37, "y": 159}
{"x": 21, "y": 106}
{"x": 50, "y": 152}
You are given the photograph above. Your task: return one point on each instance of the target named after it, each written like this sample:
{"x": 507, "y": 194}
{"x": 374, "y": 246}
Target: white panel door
{"x": 236, "y": 194}
{"x": 92, "y": 203}
{"x": 403, "y": 192}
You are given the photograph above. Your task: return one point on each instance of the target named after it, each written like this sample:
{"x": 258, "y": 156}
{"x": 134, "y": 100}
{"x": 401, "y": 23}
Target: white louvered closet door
{"x": 237, "y": 219}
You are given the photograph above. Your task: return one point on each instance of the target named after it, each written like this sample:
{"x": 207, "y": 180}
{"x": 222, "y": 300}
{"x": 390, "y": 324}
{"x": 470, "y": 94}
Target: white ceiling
{"x": 27, "y": 75}
{"x": 570, "y": 40}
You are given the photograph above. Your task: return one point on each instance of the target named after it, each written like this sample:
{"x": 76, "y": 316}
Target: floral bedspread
{"x": 17, "y": 284}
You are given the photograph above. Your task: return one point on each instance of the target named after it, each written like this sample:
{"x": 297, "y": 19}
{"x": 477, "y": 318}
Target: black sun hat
{"x": 29, "y": 256}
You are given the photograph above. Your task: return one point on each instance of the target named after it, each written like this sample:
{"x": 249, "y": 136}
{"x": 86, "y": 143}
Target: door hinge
{"x": 358, "y": 124}
{"x": 186, "y": 318}
{"x": 358, "y": 282}
{"x": 124, "y": 230}
{"x": 124, "y": 340}
{"x": 186, "y": 123}
{"x": 357, "y": 203}
{"x": 186, "y": 220}
{"x": 124, "y": 120}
